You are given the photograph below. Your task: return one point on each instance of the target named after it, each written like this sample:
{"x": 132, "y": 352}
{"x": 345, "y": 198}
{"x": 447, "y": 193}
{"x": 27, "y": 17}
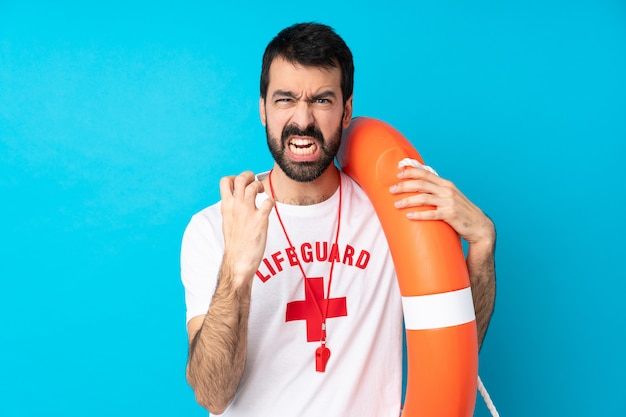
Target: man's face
{"x": 304, "y": 115}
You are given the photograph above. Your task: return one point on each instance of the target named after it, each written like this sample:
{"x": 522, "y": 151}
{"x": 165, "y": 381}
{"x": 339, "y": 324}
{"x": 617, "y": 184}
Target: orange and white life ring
{"x": 439, "y": 318}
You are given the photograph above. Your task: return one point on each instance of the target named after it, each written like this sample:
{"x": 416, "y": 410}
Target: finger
{"x": 227, "y": 186}
{"x": 419, "y": 173}
{"x": 414, "y": 186}
{"x": 443, "y": 188}
{"x": 433, "y": 214}
{"x": 412, "y": 172}
{"x": 267, "y": 206}
{"x": 242, "y": 181}
{"x": 420, "y": 200}
{"x": 254, "y": 188}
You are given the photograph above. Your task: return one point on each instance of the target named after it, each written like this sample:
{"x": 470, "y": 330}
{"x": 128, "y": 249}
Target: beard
{"x": 304, "y": 171}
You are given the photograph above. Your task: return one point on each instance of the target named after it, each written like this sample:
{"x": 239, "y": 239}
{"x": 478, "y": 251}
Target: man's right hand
{"x": 244, "y": 225}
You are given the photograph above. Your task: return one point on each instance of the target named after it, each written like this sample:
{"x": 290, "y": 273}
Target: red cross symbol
{"x": 307, "y": 309}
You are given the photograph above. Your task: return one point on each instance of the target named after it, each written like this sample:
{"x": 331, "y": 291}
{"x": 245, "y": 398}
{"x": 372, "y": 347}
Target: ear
{"x": 347, "y": 113}
{"x": 262, "y": 111}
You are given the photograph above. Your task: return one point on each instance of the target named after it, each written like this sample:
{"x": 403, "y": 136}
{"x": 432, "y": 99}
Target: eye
{"x": 322, "y": 101}
{"x": 284, "y": 102}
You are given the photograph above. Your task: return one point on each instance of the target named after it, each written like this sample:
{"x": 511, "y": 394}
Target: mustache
{"x": 311, "y": 131}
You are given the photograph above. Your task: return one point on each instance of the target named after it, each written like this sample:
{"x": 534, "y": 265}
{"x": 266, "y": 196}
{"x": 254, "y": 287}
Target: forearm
{"x": 217, "y": 353}
{"x": 481, "y": 268}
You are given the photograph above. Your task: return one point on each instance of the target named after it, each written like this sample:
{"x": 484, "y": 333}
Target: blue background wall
{"x": 117, "y": 120}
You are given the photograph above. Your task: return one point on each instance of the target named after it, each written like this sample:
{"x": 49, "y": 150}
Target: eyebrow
{"x": 324, "y": 94}
{"x": 291, "y": 94}
{"x": 284, "y": 93}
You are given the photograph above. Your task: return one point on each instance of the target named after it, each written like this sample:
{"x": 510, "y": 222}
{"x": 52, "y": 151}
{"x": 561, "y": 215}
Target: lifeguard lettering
{"x": 311, "y": 252}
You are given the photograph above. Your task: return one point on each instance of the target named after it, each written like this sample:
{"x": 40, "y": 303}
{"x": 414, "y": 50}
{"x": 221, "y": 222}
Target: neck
{"x": 288, "y": 191}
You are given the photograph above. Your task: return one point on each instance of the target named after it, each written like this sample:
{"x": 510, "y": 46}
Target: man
{"x": 293, "y": 308}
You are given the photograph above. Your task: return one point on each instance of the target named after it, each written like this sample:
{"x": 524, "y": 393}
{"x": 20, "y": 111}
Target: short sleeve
{"x": 200, "y": 259}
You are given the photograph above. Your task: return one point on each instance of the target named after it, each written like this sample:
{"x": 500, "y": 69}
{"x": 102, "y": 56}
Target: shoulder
{"x": 203, "y": 228}
{"x": 207, "y": 216}
{"x": 354, "y": 191}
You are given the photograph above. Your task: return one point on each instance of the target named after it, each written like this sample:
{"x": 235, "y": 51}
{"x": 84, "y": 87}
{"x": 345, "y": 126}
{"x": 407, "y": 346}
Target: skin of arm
{"x": 451, "y": 206}
{"x": 218, "y": 340}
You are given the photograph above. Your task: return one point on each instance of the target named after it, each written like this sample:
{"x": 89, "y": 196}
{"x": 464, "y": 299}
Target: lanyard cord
{"x": 307, "y": 286}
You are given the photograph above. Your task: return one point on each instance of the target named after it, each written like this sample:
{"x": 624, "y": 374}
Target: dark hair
{"x": 310, "y": 45}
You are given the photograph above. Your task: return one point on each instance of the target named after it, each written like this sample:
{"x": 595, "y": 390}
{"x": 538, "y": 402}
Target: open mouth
{"x": 302, "y": 146}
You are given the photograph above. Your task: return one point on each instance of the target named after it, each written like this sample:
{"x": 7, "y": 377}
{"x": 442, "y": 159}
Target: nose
{"x": 302, "y": 115}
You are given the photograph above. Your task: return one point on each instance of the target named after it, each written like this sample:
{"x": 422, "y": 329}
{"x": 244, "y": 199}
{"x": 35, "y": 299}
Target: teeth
{"x": 301, "y": 142}
{"x": 302, "y": 146}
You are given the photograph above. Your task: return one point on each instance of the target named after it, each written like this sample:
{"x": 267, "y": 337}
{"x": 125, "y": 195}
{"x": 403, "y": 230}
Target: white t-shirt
{"x": 364, "y": 324}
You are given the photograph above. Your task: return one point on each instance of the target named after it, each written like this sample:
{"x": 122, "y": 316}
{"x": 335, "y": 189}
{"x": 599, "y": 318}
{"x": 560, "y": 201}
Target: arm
{"x": 218, "y": 340}
{"x": 451, "y": 206}
{"x": 217, "y": 345}
{"x": 482, "y": 272}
